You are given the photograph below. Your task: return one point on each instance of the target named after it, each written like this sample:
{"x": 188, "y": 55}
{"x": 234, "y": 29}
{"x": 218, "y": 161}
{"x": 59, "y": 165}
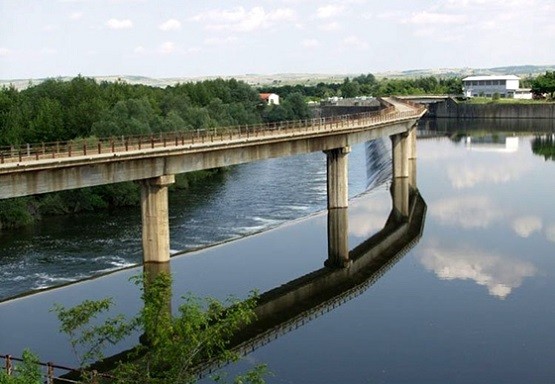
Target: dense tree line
{"x": 58, "y": 110}
{"x": 368, "y": 85}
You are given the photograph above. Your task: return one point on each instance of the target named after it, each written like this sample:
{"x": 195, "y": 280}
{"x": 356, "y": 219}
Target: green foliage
{"x": 173, "y": 347}
{"x": 89, "y": 340}
{"x": 544, "y": 84}
{"x": 368, "y": 85}
{"x": 350, "y": 89}
{"x": 254, "y": 376}
{"x": 26, "y": 372}
{"x": 293, "y": 107}
{"x": 15, "y": 212}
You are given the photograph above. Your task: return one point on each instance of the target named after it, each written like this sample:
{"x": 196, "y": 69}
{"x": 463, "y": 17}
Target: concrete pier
{"x": 403, "y": 148}
{"x": 337, "y": 174}
{"x": 155, "y": 218}
{"x": 400, "y": 193}
{"x": 338, "y": 202}
{"x": 338, "y": 238}
{"x": 412, "y": 157}
{"x": 400, "y": 158}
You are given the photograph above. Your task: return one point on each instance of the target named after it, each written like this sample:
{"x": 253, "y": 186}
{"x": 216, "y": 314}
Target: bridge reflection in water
{"x": 285, "y": 308}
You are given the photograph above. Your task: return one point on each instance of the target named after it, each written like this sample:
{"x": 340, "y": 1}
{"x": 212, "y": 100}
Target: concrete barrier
{"x": 453, "y": 109}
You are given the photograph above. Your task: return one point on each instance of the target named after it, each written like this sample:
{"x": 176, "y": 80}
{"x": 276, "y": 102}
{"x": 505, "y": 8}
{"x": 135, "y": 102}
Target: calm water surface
{"x": 472, "y": 302}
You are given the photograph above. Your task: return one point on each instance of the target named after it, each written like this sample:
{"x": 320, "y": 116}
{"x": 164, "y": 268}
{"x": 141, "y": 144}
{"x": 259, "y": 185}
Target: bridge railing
{"x": 194, "y": 138}
{"x": 51, "y": 373}
{"x": 409, "y": 102}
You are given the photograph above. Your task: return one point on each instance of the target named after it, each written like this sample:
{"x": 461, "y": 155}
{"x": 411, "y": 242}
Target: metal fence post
{"x": 49, "y": 373}
{"x": 9, "y": 365}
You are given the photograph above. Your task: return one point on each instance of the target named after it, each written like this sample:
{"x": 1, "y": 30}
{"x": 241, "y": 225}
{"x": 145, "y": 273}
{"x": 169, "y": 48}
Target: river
{"x": 471, "y": 302}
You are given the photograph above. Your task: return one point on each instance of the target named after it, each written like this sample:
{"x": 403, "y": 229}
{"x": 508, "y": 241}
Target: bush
{"x": 26, "y": 372}
{"x": 15, "y": 213}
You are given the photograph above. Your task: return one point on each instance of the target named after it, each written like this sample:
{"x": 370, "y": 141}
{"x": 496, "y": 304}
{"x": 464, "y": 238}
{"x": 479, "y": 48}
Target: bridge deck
{"x": 28, "y": 170}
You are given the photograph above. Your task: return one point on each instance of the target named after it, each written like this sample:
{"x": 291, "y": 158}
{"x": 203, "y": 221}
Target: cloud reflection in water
{"x": 550, "y": 233}
{"x": 369, "y": 215}
{"x": 498, "y": 273}
{"x": 526, "y": 225}
{"x": 466, "y": 211}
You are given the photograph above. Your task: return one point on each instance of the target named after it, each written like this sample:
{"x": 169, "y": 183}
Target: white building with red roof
{"x": 270, "y": 98}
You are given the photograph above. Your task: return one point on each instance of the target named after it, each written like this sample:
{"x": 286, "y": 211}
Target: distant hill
{"x": 518, "y": 70}
{"x": 308, "y": 78}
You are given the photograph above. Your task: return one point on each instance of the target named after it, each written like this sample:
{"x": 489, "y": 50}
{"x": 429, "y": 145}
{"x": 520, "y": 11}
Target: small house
{"x": 270, "y": 98}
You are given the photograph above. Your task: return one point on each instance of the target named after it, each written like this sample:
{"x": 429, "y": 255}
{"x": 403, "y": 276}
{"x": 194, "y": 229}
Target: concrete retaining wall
{"x": 451, "y": 109}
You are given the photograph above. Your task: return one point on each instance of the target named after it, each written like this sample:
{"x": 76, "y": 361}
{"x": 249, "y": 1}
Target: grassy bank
{"x": 489, "y": 100}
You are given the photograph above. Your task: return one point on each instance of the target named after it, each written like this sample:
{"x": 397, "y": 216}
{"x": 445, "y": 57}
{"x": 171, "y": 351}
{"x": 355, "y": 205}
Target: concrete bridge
{"x": 153, "y": 162}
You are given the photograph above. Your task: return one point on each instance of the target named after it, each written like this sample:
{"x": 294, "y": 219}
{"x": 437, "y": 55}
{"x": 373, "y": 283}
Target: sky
{"x": 178, "y": 38}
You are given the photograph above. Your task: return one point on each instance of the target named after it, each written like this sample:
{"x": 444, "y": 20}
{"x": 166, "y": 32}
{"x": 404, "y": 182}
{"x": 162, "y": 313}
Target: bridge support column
{"x": 400, "y": 154}
{"x": 412, "y": 157}
{"x": 401, "y": 147}
{"x": 338, "y": 201}
{"x": 155, "y": 218}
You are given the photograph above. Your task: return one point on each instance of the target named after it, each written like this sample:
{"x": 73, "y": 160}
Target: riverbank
{"x": 453, "y": 109}
{"x": 25, "y": 211}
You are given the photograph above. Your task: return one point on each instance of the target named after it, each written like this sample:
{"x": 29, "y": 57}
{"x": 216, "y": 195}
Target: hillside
{"x": 309, "y": 78}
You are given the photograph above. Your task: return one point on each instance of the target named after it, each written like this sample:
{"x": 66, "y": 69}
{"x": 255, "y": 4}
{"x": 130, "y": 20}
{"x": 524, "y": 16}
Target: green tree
{"x": 544, "y": 84}
{"x": 48, "y": 123}
{"x": 350, "y": 88}
{"x": 128, "y": 117}
{"x": 544, "y": 146}
{"x": 173, "y": 347}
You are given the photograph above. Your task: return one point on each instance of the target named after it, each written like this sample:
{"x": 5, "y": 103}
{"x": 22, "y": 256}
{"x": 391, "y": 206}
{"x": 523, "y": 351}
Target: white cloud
{"x": 241, "y": 20}
{"x": 5, "y": 52}
{"x": 48, "y": 51}
{"x": 170, "y": 25}
{"x": 550, "y": 233}
{"x": 140, "y": 50}
{"x": 310, "y": 43}
{"x": 220, "y": 40}
{"x": 76, "y": 16}
{"x": 369, "y": 216}
{"x": 51, "y": 28}
{"x": 526, "y": 225}
{"x": 390, "y": 15}
{"x": 356, "y": 42}
{"x": 333, "y": 26}
{"x": 550, "y": 30}
{"x": 500, "y": 274}
{"x": 329, "y": 11}
{"x": 425, "y": 17}
{"x": 194, "y": 50}
{"x": 167, "y": 47}
{"x": 467, "y": 176}
{"x": 466, "y": 212}
{"x": 119, "y": 24}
